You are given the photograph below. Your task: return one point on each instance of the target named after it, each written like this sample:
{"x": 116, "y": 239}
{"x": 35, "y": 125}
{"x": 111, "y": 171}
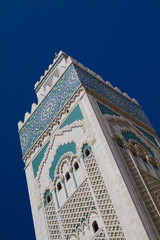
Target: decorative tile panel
{"x": 111, "y": 95}
{"x": 58, "y": 97}
{"x": 49, "y": 108}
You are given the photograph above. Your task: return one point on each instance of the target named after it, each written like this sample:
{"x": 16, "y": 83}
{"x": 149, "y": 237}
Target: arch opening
{"x": 95, "y": 226}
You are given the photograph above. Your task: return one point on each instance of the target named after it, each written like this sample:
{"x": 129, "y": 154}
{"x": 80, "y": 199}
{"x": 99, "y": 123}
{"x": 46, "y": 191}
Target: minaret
{"x": 91, "y": 159}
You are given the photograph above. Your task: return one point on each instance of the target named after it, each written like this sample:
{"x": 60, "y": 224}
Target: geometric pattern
{"x": 49, "y": 81}
{"x": 48, "y": 109}
{"x": 153, "y": 185}
{"x": 77, "y": 210}
{"x": 146, "y": 194}
{"x": 107, "y": 210}
{"x": 52, "y": 220}
{"x": 111, "y": 95}
{"x": 100, "y": 236}
{"x": 58, "y": 97}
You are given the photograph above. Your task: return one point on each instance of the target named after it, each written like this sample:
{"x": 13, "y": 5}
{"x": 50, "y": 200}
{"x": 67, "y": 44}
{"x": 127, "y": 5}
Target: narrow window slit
{"x": 95, "y": 226}
{"x": 59, "y": 186}
{"x": 67, "y": 176}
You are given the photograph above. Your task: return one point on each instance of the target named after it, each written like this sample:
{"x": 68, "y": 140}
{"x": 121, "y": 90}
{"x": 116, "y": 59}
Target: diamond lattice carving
{"x": 75, "y": 213}
{"x": 52, "y": 220}
{"x": 144, "y": 182}
{"x": 105, "y": 204}
{"x": 153, "y": 185}
{"x": 100, "y": 236}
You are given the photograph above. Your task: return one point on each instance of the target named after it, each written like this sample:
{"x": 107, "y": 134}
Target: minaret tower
{"x": 91, "y": 159}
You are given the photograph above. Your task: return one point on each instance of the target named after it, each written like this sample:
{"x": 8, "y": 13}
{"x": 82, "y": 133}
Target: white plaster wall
{"x": 73, "y": 238}
{"x": 61, "y": 195}
{"x": 82, "y": 236}
{"x": 87, "y": 233}
{"x": 38, "y": 215}
{"x": 79, "y": 174}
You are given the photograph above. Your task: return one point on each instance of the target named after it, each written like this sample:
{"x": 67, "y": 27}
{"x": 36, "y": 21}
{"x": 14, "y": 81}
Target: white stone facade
{"x": 88, "y": 183}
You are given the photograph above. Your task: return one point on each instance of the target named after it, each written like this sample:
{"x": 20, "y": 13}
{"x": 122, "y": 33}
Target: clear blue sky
{"x": 119, "y": 40}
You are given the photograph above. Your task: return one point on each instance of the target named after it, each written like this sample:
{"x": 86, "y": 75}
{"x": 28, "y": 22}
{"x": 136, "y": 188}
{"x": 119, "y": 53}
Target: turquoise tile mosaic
{"x": 75, "y": 115}
{"x": 49, "y": 108}
{"x": 111, "y": 95}
{"x": 61, "y": 93}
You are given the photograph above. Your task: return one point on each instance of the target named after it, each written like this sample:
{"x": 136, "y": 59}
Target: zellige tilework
{"x": 61, "y": 93}
{"x": 49, "y": 108}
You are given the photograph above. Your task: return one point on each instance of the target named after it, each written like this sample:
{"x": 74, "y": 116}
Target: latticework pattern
{"x": 153, "y": 185}
{"x": 50, "y": 79}
{"x": 145, "y": 192}
{"x": 103, "y": 199}
{"x": 76, "y": 211}
{"x": 100, "y": 236}
{"x": 52, "y": 220}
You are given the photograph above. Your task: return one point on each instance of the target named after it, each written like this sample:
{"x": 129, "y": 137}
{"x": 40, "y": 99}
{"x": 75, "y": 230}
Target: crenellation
{"x": 100, "y": 78}
{"x": 81, "y": 65}
{"x": 26, "y": 116}
{"x": 20, "y": 124}
{"x": 126, "y": 95}
{"x": 92, "y": 73}
{"x": 33, "y": 107}
{"x": 50, "y": 66}
{"x": 109, "y": 84}
{"x": 118, "y": 90}
{"x": 135, "y": 101}
{"x": 36, "y": 84}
